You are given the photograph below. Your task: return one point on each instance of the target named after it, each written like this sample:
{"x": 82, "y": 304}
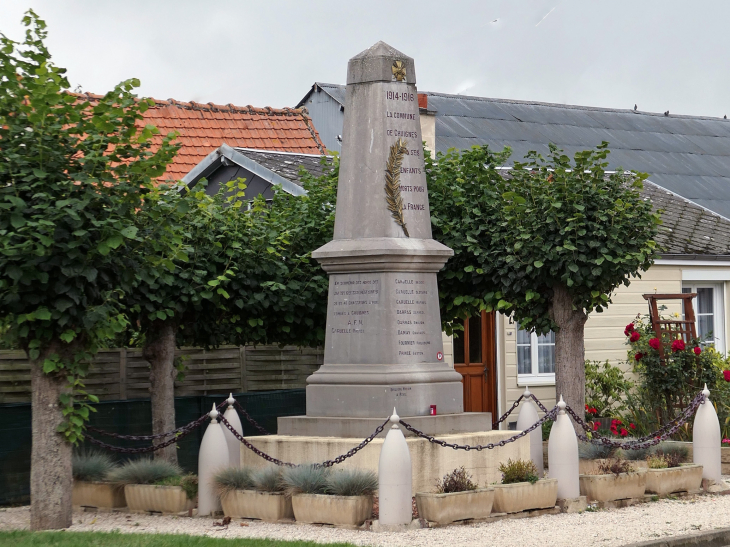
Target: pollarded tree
{"x": 548, "y": 242}
{"x": 72, "y": 176}
{"x": 185, "y": 301}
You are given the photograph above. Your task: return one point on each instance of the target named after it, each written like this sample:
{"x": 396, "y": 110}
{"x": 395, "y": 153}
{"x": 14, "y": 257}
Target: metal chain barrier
{"x": 328, "y": 463}
{"x": 661, "y": 434}
{"x": 149, "y": 437}
{"x": 550, "y": 415}
{"x": 510, "y": 411}
{"x": 248, "y": 417}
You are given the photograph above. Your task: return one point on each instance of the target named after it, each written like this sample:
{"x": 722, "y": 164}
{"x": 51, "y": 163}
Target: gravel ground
{"x": 614, "y": 527}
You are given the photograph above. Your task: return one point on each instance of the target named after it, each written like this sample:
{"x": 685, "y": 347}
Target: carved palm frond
{"x": 392, "y": 182}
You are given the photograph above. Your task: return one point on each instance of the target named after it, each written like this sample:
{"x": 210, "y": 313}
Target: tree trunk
{"x": 51, "y": 478}
{"x": 159, "y": 351}
{"x": 570, "y": 372}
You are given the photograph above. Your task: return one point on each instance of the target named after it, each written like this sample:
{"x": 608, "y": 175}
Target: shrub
{"x": 547, "y": 426}
{"x": 189, "y": 483}
{"x": 657, "y": 462}
{"x": 91, "y": 465}
{"x": 233, "y": 478}
{"x": 305, "y": 479}
{"x": 518, "y": 471}
{"x": 268, "y": 479}
{"x": 673, "y": 453}
{"x": 144, "y": 471}
{"x": 636, "y": 454}
{"x": 589, "y": 451}
{"x": 614, "y": 466}
{"x": 352, "y": 482}
{"x": 459, "y": 480}
{"x": 605, "y": 388}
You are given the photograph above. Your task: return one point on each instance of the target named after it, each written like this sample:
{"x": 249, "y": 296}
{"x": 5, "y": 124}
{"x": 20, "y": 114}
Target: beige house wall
{"x": 604, "y": 338}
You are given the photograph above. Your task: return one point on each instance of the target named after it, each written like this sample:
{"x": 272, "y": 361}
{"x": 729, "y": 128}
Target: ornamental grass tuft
{"x": 459, "y": 480}
{"x": 91, "y": 465}
{"x": 518, "y": 471}
{"x": 233, "y": 478}
{"x": 189, "y": 483}
{"x": 352, "y": 482}
{"x": 268, "y": 479}
{"x": 589, "y": 451}
{"x": 305, "y": 479}
{"x": 144, "y": 471}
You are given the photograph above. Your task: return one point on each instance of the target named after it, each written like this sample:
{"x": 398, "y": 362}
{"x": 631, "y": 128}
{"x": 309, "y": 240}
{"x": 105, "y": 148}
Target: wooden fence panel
{"x": 119, "y": 374}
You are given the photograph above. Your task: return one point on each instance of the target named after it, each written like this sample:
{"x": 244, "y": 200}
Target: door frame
{"x": 488, "y": 360}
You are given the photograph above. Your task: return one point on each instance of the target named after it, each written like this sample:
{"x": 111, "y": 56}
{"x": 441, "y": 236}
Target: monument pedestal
{"x": 429, "y": 461}
{"x": 359, "y": 428}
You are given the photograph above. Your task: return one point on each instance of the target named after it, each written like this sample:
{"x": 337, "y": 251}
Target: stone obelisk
{"x": 383, "y": 345}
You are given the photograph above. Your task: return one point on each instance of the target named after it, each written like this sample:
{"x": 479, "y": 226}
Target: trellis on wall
{"x": 672, "y": 329}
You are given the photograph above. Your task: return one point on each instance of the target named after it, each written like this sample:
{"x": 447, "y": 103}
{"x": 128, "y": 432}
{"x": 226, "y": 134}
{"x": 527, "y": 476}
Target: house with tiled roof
{"x": 202, "y": 128}
{"x": 688, "y": 162}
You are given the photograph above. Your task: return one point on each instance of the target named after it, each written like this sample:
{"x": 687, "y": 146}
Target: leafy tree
{"x": 72, "y": 176}
{"x": 547, "y": 241}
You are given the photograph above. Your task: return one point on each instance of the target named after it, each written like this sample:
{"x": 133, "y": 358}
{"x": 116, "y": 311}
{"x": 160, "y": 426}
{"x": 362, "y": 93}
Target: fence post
{"x": 213, "y": 457}
{"x": 244, "y": 375}
{"x": 527, "y": 417}
{"x": 123, "y": 373}
{"x": 234, "y": 445}
{"x": 563, "y": 455}
{"x": 394, "y": 477}
{"x": 706, "y": 440}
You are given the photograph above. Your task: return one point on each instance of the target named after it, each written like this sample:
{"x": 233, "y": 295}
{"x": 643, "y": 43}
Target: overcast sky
{"x": 662, "y": 55}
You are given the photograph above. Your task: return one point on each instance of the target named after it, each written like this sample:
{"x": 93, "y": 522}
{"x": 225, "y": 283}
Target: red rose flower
{"x": 624, "y": 432}
{"x": 632, "y": 426}
{"x": 619, "y": 422}
{"x": 613, "y": 422}
{"x": 586, "y": 407}
{"x": 634, "y": 337}
{"x": 654, "y": 343}
{"x": 638, "y": 356}
{"x": 726, "y": 375}
{"x": 697, "y": 350}
{"x": 678, "y": 345}
{"x": 594, "y": 411}
{"x": 629, "y": 329}
{"x": 595, "y": 426}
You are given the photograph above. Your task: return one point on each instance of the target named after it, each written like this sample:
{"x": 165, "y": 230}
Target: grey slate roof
{"x": 688, "y": 229}
{"x": 689, "y": 155}
{"x": 286, "y": 164}
{"x": 336, "y": 91}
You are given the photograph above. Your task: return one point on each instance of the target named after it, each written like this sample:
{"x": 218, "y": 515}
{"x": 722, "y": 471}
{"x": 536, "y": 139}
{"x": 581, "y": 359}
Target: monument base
{"x": 378, "y": 401}
{"x": 354, "y": 428}
{"x": 429, "y": 461}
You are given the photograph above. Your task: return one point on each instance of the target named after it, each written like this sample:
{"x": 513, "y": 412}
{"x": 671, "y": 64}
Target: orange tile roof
{"x": 204, "y": 127}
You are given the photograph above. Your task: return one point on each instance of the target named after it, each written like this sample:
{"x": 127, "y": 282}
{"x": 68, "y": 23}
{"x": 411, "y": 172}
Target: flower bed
{"x": 456, "y": 498}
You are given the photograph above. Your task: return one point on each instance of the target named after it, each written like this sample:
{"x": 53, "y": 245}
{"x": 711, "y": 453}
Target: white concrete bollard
{"x": 563, "y": 455}
{"x": 706, "y": 440}
{"x": 394, "y": 477}
{"x": 528, "y": 416}
{"x": 234, "y": 445}
{"x": 213, "y": 456}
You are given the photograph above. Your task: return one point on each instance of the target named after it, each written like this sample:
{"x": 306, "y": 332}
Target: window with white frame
{"x": 535, "y": 357}
{"x": 709, "y": 312}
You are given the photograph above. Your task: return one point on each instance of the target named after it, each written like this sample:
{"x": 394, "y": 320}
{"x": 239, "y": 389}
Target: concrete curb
{"x": 715, "y": 538}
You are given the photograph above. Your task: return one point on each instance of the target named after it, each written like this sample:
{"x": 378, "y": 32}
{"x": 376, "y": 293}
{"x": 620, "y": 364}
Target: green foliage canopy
{"x": 72, "y": 175}
{"x": 519, "y": 233}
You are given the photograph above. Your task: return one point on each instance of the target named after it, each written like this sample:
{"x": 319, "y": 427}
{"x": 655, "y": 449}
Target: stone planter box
{"x": 102, "y": 495}
{"x": 447, "y": 508}
{"x": 523, "y": 496}
{"x": 160, "y": 499}
{"x": 674, "y": 479}
{"x": 250, "y": 504}
{"x": 613, "y": 487}
{"x": 590, "y": 467}
{"x": 338, "y": 510}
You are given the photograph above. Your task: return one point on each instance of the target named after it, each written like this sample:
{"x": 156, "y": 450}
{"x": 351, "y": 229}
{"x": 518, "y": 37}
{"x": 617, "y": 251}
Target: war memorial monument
{"x": 383, "y": 345}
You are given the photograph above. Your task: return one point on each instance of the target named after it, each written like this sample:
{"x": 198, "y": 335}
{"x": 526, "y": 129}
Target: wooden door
{"x": 475, "y": 359}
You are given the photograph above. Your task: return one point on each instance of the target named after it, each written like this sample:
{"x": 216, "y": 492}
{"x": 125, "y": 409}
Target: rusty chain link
{"x": 327, "y": 463}
{"x": 248, "y": 417}
{"x": 664, "y": 432}
{"x": 506, "y": 414}
{"x": 550, "y": 415}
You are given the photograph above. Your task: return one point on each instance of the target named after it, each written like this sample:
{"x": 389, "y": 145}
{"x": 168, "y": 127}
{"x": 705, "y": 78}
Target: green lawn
{"x": 101, "y": 539}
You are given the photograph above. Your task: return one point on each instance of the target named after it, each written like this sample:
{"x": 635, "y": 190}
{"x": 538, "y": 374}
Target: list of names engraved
{"x": 410, "y": 303}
